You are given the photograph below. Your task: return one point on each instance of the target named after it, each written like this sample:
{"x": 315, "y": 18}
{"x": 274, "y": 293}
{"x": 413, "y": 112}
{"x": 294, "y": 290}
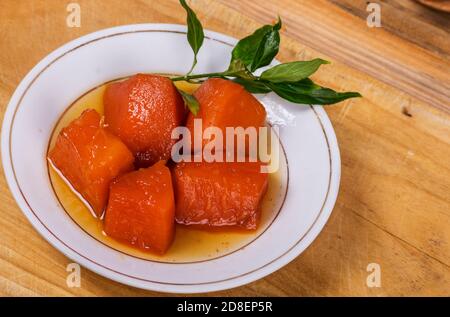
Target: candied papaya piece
{"x": 142, "y": 111}
{"x": 219, "y": 194}
{"x": 141, "y": 209}
{"x": 223, "y": 104}
{"x": 90, "y": 157}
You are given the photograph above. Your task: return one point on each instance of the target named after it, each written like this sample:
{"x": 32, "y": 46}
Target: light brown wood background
{"x": 394, "y": 203}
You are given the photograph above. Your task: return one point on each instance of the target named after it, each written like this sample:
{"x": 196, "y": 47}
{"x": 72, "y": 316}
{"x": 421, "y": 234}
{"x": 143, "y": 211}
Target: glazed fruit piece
{"x": 90, "y": 157}
{"x": 142, "y": 111}
{"x": 219, "y": 194}
{"x": 141, "y": 209}
{"x": 224, "y": 103}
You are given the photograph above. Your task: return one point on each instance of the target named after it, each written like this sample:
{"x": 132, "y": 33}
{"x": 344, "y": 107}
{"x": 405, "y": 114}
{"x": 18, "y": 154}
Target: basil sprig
{"x": 306, "y": 91}
{"x": 293, "y": 71}
{"x": 258, "y": 49}
{"x": 195, "y": 33}
{"x": 190, "y": 101}
{"x": 253, "y": 86}
{"x": 290, "y": 80}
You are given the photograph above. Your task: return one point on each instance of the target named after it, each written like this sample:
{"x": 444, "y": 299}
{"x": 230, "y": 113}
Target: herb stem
{"x": 197, "y": 76}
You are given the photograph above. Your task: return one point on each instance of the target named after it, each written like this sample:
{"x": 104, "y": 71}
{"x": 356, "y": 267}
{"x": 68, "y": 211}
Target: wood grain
{"x": 394, "y": 203}
{"x": 442, "y": 5}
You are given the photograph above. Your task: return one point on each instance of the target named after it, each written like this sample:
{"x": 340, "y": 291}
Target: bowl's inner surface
{"x": 190, "y": 245}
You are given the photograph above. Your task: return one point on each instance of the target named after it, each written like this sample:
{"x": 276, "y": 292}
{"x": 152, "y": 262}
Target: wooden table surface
{"x": 394, "y": 203}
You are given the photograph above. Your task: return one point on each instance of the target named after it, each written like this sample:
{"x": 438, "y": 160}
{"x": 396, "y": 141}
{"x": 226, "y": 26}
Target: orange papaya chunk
{"x": 141, "y": 209}
{"x": 219, "y": 194}
{"x": 223, "y": 104}
{"x": 90, "y": 157}
{"x": 142, "y": 111}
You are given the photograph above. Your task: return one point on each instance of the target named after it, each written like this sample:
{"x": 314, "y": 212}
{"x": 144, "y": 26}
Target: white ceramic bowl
{"x": 306, "y": 134}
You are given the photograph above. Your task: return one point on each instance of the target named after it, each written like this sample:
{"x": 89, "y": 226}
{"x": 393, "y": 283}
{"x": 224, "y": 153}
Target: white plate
{"x": 310, "y": 145}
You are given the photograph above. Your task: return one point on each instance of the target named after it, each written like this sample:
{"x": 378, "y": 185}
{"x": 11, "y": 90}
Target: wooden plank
{"x": 410, "y": 21}
{"x": 441, "y": 5}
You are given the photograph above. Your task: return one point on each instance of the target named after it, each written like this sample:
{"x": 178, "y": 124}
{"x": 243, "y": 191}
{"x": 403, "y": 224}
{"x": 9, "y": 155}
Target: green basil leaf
{"x": 258, "y": 49}
{"x": 195, "y": 33}
{"x": 293, "y": 71}
{"x": 238, "y": 69}
{"x": 253, "y": 86}
{"x": 306, "y": 91}
{"x": 190, "y": 101}
{"x": 236, "y": 65}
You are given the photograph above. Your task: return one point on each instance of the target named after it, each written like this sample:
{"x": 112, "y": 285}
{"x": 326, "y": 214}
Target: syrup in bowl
{"x": 190, "y": 244}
